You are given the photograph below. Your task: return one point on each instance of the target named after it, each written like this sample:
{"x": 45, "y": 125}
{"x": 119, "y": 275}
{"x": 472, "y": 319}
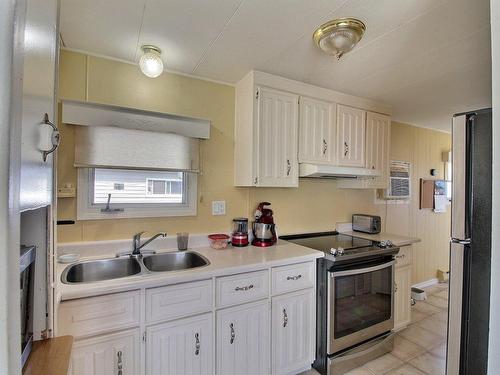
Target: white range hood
{"x": 328, "y": 171}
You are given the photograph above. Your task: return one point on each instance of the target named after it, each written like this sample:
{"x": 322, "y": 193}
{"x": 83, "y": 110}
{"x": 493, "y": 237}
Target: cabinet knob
{"x": 346, "y": 148}
{"x": 325, "y": 147}
{"x": 285, "y": 318}
{"x": 197, "y": 344}
{"x": 395, "y": 287}
{"x": 119, "y": 362}
{"x": 233, "y": 335}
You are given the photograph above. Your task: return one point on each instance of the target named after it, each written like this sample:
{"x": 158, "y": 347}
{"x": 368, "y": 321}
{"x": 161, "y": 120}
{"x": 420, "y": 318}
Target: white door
{"x": 293, "y": 331}
{"x": 351, "y": 127}
{"x": 276, "y": 149}
{"x": 402, "y": 296}
{"x": 243, "y": 339}
{"x": 316, "y": 131}
{"x": 40, "y": 51}
{"x": 183, "y": 346}
{"x": 378, "y": 133}
{"x": 117, "y": 353}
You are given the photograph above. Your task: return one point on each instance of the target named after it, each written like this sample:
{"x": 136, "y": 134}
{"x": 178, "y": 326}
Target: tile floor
{"x": 420, "y": 349}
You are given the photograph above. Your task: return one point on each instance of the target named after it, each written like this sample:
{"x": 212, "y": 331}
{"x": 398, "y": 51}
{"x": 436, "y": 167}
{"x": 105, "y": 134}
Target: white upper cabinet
{"x": 378, "y": 133}
{"x": 351, "y": 131}
{"x": 40, "y": 51}
{"x": 316, "y": 131}
{"x": 243, "y": 339}
{"x": 277, "y": 163}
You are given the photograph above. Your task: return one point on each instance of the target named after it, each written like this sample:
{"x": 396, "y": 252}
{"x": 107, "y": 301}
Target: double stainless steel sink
{"x": 115, "y": 268}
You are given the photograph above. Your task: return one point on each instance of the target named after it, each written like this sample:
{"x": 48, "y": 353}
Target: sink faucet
{"x": 137, "y": 246}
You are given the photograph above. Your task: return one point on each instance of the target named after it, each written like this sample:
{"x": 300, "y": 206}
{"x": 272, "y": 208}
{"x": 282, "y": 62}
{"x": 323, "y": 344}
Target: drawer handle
{"x": 288, "y": 167}
{"x": 243, "y": 288}
{"x": 197, "y": 345}
{"x": 325, "y": 147}
{"x": 346, "y": 148}
{"x": 395, "y": 287}
{"x": 119, "y": 362}
{"x": 233, "y": 335}
{"x": 285, "y": 318}
{"x": 296, "y": 277}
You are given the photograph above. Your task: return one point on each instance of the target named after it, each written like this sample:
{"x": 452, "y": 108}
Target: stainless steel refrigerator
{"x": 470, "y": 250}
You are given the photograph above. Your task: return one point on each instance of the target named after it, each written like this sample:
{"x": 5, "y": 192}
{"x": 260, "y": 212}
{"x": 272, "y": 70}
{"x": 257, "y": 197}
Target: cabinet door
{"x": 351, "y": 127}
{"x": 182, "y": 346}
{"x": 117, "y": 353}
{"x": 276, "y": 148}
{"x": 402, "y": 304}
{"x": 40, "y": 44}
{"x": 378, "y": 133}
{"x": 316, "y": 130}
{"x": 293, "y": 332}
{"x": 243, "y": 339}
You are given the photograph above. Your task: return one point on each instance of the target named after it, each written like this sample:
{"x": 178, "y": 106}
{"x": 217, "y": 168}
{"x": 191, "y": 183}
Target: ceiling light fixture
{"x": 339, "y": 36}
{"x": 151, "y": 63}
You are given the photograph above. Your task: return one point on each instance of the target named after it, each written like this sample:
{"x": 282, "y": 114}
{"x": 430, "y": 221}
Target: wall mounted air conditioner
{"x": 399, "y": 181}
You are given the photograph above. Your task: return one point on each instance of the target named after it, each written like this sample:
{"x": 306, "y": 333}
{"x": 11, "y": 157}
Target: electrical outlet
{"x": 218, "y": 208}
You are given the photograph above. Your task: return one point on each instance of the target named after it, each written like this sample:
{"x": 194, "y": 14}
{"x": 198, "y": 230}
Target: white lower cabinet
{"x": 293, "y": 331}
{"x": 402, "y": 297}
{"x": 116, "y": 353}
{"x": 183, "y": 346}
{"x": 243, "y": 339}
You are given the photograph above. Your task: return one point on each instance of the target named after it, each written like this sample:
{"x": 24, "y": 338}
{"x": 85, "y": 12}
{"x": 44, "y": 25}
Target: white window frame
{"x": 86, "y": 210}
{"x": 158, "y": 179}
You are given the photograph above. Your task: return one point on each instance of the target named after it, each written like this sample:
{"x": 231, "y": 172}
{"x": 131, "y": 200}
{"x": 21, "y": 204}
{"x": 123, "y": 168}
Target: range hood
{"x": 329, "y": 171}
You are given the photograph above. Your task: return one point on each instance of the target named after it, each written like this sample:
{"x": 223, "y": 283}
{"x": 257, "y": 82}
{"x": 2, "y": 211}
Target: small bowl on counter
{"x": 218, "y": 241}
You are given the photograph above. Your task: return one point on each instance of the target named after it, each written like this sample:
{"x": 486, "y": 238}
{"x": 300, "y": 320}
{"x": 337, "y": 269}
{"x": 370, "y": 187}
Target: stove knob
{"x": 340, "y": 251}
{"x": 389, "y": 243}
{"x": 382, "y": 244}
{"x": 333, "y": 251}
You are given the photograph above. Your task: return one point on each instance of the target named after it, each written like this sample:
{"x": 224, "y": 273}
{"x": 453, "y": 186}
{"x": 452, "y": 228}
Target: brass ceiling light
{"x": 339, "y": 36}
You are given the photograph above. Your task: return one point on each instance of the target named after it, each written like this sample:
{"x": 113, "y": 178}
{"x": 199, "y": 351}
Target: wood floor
{"x": 420, "y": 349}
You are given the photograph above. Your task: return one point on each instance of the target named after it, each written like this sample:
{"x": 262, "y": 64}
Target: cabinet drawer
{"x": 173, "y": 301}
{"x": 292, "y": 277}
{"x": 96, "y": 315}
{"x": 244, "y": 287}
{"x": 403, "y": 258}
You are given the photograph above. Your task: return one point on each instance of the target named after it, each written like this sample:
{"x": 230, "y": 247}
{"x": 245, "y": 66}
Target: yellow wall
{"x": 316, "y": 205}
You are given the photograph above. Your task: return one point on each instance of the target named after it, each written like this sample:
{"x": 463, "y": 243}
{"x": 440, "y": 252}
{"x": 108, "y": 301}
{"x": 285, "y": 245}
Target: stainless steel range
{"x": 355, "y": 299}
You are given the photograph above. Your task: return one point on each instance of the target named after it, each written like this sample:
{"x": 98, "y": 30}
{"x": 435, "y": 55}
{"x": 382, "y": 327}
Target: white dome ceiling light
{"x": 339, "y": 36}
{"x": 151, "y": 63}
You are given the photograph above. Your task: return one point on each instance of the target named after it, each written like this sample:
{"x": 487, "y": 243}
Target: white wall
{"x": 494, "y": 345}
{"x": 11, "y": 39}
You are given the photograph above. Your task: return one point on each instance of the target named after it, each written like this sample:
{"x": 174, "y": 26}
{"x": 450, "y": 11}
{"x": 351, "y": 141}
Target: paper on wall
{"x": 440, "y": 202}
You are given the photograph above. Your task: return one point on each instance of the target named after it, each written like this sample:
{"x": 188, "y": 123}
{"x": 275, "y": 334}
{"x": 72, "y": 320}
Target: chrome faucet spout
{"x": 137, "y": 241}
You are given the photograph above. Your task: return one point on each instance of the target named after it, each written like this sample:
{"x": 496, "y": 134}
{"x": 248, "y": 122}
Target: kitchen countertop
{"x": 222, "y": 262}
{"x": 396, "y": 239}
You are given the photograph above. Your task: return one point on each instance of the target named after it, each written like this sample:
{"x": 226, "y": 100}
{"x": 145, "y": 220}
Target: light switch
{"x": 218, "y": 208}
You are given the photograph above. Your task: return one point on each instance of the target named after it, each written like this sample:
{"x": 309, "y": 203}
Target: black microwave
{"x": 27, "y": 280}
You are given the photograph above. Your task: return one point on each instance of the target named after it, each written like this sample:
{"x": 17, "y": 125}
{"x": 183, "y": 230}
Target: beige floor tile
{"x": 384, "y": 364}
{"x": 443, "y": 294}
{"x": 416, "y": 315}
{"x": 310, "y": 372}
{"x": 434, "y": 325}
{"x": 438, "y": 302}
{"x": 422, "y": 337}
{"x": 426, "y": 308}
{"x": 360, "y": 371}
{"x": 406, "y": 350}
{"x": 429, "y": 364}
{"x": 439, "y": 351}
{"x": 406, "y": 370}
{"x": 442, "y": 316}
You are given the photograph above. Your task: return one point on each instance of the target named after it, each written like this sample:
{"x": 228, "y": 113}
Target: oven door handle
{"x": 362, "y": 270}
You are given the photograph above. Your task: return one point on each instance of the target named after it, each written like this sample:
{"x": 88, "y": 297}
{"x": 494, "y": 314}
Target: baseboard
{"x": 425, "y": 284}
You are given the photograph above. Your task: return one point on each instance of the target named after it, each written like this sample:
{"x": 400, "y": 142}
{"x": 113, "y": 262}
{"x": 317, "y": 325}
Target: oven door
{"x": 360, "y": 303}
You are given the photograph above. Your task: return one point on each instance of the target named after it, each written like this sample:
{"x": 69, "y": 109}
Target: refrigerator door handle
{"x": 467, "y": 241}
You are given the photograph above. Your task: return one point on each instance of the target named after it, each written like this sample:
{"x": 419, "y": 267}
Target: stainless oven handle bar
{"x": 363, "y": 270}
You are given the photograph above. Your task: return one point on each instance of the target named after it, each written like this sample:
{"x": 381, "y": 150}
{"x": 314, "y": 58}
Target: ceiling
{"x": 426, "y": 58}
